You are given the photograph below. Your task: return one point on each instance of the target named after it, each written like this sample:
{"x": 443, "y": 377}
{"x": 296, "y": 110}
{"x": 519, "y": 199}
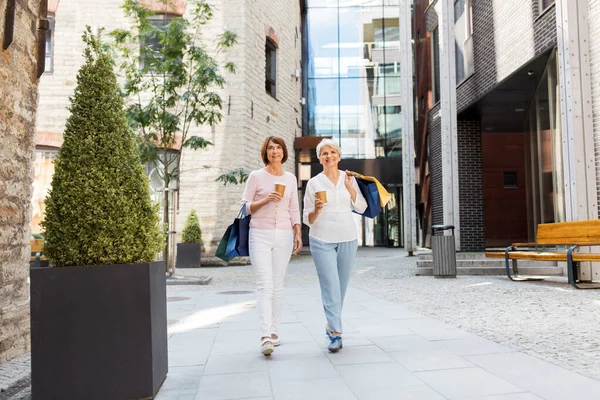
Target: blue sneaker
{"x": 336, "y": 344}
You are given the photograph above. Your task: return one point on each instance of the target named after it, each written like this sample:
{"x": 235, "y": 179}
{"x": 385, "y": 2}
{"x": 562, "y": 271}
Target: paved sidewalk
{"x": 549, "y": 320}
{"x": 390, "y": 352}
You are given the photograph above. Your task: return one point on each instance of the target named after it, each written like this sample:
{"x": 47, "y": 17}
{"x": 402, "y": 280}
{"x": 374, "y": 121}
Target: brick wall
{"x": 506, "y": 35}
{"x": 470, "y": 186}
{"x": 18, "y": 102}
{"x": 253, "y": 115}
{"x": 594, "y": 37}
{"x": 213, "y": 202}
{"x": 70, "y": 20}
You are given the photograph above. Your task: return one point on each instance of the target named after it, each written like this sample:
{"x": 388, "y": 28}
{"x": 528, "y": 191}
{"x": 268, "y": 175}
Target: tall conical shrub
{"x": 99, "y": 209}
{"x": 191, "y": 231}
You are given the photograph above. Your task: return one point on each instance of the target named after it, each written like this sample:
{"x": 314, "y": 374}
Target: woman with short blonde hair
{"x": 333, "y": 233}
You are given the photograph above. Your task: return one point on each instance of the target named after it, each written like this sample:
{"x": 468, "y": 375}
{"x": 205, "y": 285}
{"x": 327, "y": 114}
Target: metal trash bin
{"x": 444, "y": 253}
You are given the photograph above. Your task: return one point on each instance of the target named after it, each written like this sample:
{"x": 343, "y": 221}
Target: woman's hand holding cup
{"x": 274, "y": 197}
{"x": 319, "y": 204}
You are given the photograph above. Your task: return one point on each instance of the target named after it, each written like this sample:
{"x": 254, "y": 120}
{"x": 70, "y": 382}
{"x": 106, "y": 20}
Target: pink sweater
{"x": 283, "y": 215}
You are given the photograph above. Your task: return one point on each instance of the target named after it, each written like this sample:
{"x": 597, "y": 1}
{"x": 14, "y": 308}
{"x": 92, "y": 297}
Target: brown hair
{"x": 279, "y": 141}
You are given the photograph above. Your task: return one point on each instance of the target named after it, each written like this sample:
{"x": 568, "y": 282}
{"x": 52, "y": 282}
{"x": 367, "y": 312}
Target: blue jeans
{"x": 334, "y": 263}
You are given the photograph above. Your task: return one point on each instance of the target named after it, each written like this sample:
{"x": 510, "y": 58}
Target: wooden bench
{"x": 37, "y": 252}
{"x": 571, "y": 235}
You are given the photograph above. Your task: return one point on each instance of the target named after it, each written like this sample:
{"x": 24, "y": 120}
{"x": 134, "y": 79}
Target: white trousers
{"x": 270, "y": 253}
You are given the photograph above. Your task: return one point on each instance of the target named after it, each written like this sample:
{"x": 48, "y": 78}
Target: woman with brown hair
{"x": 271, "y": 197}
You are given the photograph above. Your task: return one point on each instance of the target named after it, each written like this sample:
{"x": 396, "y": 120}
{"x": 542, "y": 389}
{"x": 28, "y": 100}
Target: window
{"x": 151, "y": 41}
{"x": 388, "y": 81}
{"x": 463, "y": 31}
{"x": 545, "y": 4}
{"x": 271, "y": 68}
{"x": 387, "y": 34}
{"x": 510, "y": 180}
{"x": 49, "y": 61}
{"x": 435, "y": 43}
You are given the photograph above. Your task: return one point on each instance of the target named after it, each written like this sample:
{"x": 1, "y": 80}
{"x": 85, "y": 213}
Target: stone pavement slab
{"x": 390, "y": 352}
{"x": 14, "y": 371}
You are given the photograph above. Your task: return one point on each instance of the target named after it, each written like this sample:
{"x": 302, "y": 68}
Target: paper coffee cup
{"x": 280, "y": 188}
{"x": 322, "y": 195}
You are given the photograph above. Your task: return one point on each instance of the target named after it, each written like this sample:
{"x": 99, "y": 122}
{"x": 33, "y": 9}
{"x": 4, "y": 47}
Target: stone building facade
{"x": 250, "y": 113}
{"x": 18, "y": 102}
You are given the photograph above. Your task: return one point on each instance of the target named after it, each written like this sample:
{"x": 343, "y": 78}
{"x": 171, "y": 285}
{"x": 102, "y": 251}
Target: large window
{"x": 543, "y": 150}
{"x": 271, "y": 68}
{"x": 49, "y": 62}
{"x": 353, "y": 75}
{"x": 463, "y": 41}
{"x": 150, "y": 46}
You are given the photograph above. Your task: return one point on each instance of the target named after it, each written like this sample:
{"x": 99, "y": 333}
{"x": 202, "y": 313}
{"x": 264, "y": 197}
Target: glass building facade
{"x": 352, "y": 91}
{"x": 353, "y": 75}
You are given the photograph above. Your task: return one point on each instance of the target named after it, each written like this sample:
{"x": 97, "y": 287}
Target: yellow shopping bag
{"x": 384, "y": 195}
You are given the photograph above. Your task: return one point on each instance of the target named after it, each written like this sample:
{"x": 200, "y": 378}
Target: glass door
{"x": 393, "y": 216}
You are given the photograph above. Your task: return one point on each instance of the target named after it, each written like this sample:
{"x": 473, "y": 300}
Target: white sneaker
{"x": 267, "y": 346}
{"x": 276, "y": 342}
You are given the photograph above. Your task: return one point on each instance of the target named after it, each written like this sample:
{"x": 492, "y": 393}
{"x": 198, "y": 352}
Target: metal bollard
{"x": 444, "y": 253}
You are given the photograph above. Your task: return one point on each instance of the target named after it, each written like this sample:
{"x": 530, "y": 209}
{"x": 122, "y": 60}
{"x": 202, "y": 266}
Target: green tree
{"x": 191, "y": 231}
{"x": 171, "y": 84}
{"x": 99, "y": 209}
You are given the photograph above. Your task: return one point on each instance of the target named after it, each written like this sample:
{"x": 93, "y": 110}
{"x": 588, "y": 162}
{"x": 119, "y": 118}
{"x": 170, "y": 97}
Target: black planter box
{"x": 188, "y": 255}
{"x": 98, "y": 332}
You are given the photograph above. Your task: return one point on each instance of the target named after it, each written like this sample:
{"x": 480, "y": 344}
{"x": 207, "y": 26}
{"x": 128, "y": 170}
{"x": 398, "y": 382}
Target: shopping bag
{"x": 371, "y": 195}
{"x": 235, "y": 239}
{"x": 222, "y": 247}
{"x": 373, "y": 192}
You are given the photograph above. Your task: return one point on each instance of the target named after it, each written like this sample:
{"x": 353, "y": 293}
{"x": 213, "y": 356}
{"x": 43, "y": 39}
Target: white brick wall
{"x": 594, "y": 36}
{"x": 238, "y": 138}
{"x": 71, "y": 18}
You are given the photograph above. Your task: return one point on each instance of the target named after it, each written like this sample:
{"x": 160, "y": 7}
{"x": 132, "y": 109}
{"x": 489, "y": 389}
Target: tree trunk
{"x": 166, "y": 225}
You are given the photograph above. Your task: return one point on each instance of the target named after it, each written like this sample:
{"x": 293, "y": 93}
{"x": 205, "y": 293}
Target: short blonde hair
{"x": 328, "y": 143}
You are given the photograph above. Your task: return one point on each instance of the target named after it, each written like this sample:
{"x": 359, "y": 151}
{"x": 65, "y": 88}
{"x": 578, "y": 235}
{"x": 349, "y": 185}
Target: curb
{"x": 182, "y": 280}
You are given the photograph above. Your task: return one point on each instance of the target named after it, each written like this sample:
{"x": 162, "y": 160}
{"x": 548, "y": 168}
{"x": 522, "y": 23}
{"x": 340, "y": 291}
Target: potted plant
{"x": 188, "y": 252}
{"x": 98, "y": 314}
{"x": 37, "y": 251}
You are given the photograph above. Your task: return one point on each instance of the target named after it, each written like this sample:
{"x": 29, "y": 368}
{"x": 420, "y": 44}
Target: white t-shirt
{"x": 336, "y": 223}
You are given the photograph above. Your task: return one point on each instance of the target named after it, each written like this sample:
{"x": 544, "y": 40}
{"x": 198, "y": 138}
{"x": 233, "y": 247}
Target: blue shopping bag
{"x": 222, "y": 247}
{"x": 371, "y": 195}
{"x": 234, "y": 242}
